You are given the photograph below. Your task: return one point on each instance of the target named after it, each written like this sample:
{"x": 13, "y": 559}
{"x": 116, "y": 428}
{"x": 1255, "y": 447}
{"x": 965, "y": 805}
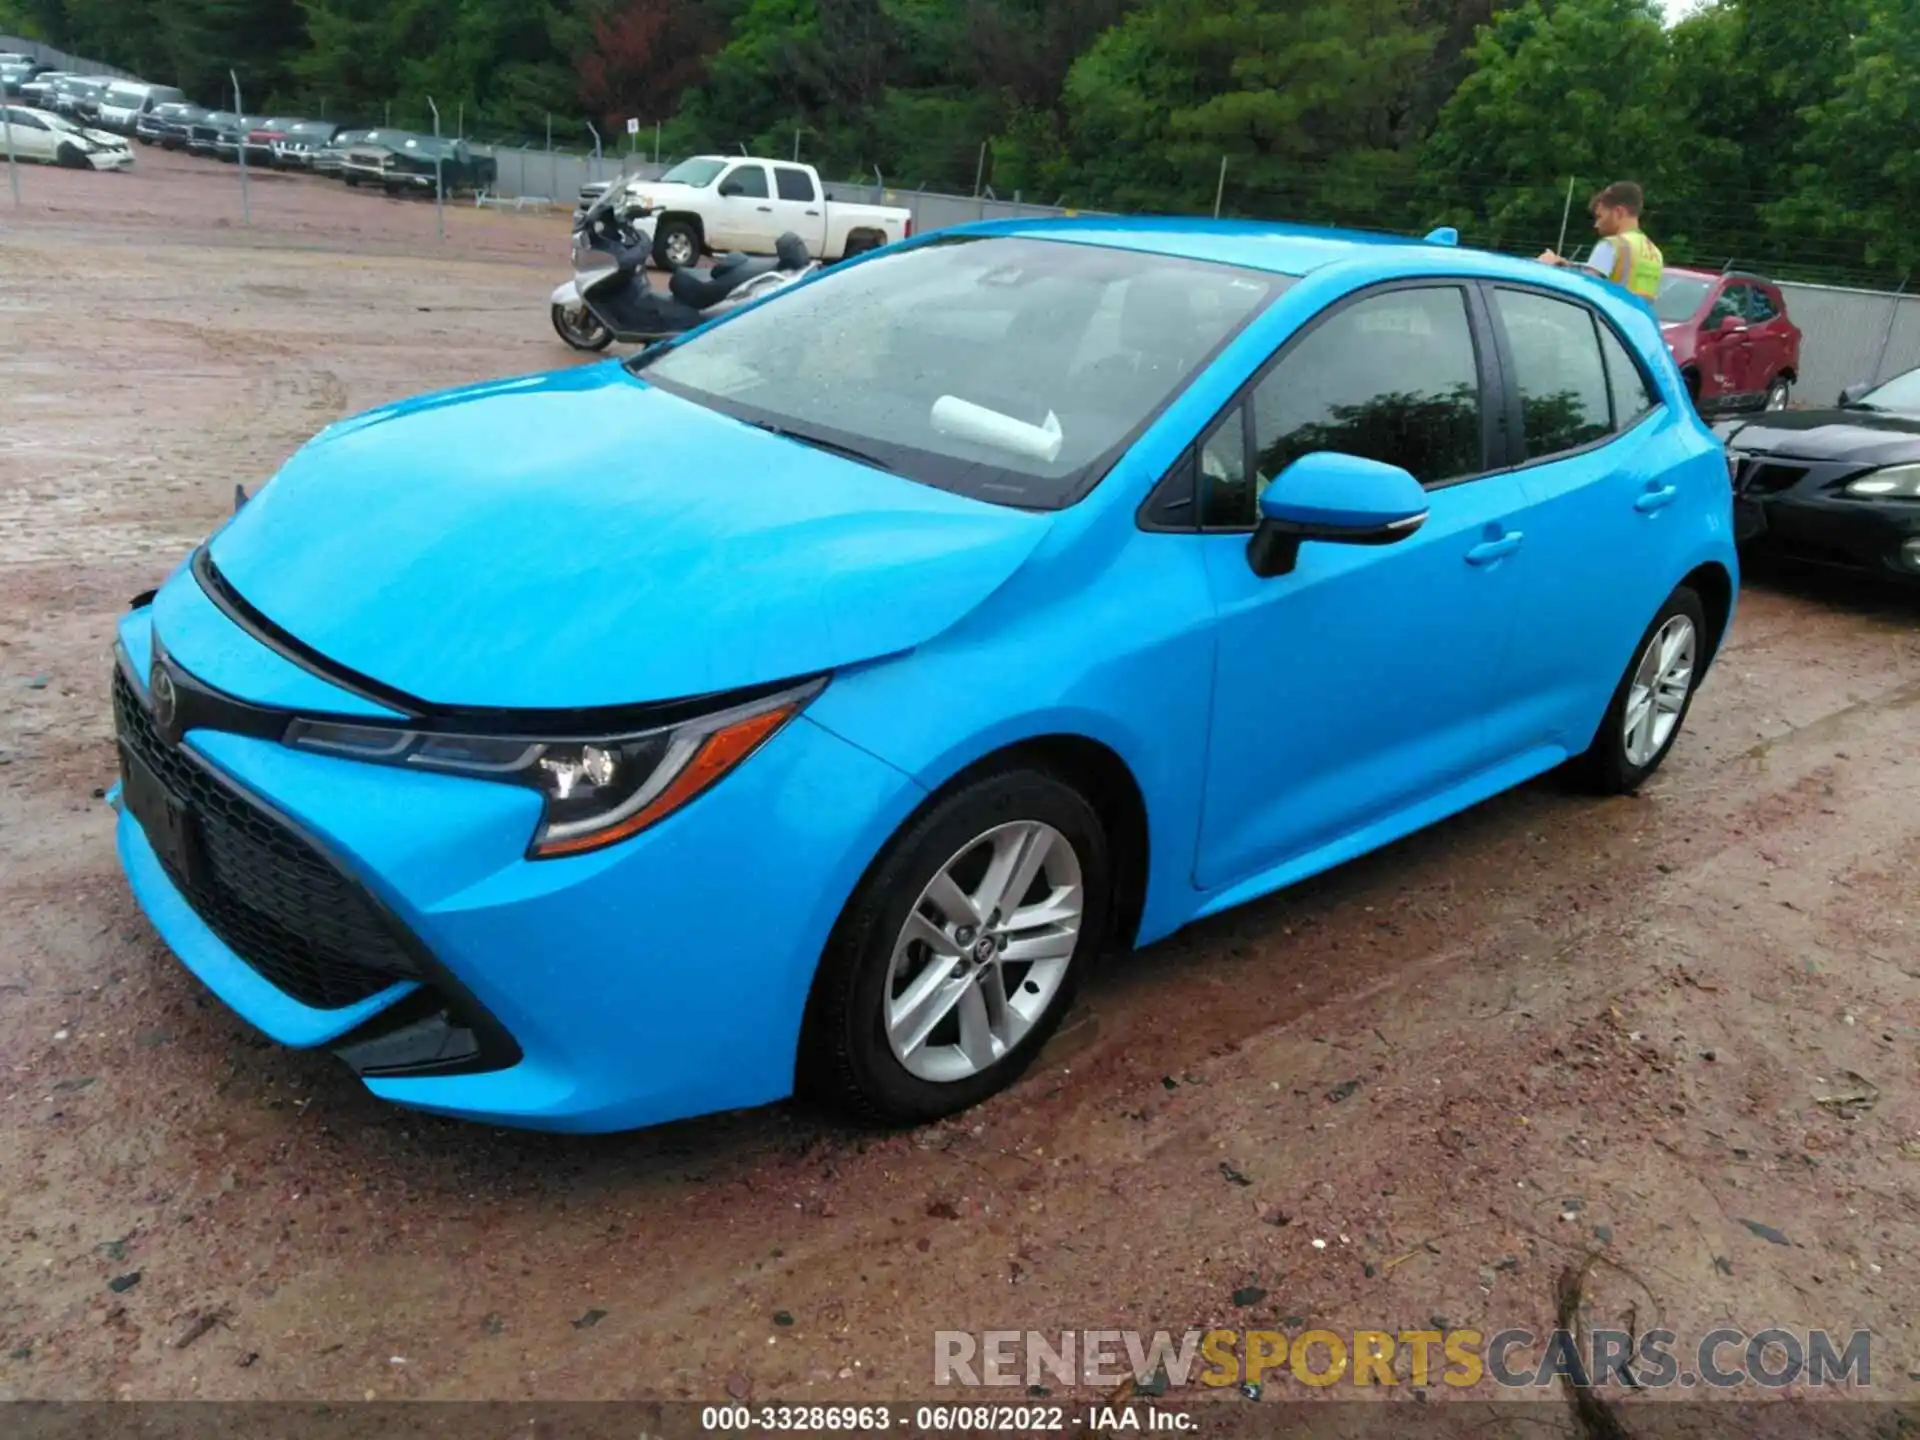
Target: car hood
{"x": 1867, "y": 436}
{"x": 107, "y": 138}
{"x": 582, "y": 539}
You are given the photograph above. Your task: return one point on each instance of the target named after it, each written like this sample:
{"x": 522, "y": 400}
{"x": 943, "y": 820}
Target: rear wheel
{"x": 581, "y": 330}
{"x": 959, "y": 954}
{"x": 1651, "y": 702}
{"x": 1779, "y": 393}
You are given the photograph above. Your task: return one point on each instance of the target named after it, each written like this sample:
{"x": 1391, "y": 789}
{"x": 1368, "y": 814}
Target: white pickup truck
{"x": 712, "y": 204}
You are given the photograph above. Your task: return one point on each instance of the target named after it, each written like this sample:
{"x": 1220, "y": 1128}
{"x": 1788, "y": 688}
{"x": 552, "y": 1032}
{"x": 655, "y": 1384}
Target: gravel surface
{"x": 1675, "y": 1032}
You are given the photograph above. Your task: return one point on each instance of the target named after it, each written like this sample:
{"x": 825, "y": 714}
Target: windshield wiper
{"x": 832, "y": 447}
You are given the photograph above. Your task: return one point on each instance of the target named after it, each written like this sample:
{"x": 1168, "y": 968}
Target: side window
{"x": 1393, "y": 378}
{"x": 1761, "y": 307}
{"x": 793, "y": 184}
{"x": 1564, "y": 399}
{"x": 1226, "y": 500}
{"x": 1732, "y": 301}
{"x": 1625, "y": 380}
{"x": 749, "y": 181}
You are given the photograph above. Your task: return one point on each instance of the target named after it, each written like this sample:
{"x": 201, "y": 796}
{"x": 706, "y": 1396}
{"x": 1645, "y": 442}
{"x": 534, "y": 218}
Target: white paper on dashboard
{"x": 967, "y": 421}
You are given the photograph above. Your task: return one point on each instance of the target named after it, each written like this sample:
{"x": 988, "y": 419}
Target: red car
{"x": 1732, "y": 338}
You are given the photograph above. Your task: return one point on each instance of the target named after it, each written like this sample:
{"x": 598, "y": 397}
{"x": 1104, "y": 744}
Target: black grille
{"x": 1767, "y": 477}
{"x": 273, "y": 899}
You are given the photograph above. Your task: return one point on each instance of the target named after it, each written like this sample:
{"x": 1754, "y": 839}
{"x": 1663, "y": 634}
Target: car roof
{"x": 1276, "y": 247}
{"x": 1691, "y": 273}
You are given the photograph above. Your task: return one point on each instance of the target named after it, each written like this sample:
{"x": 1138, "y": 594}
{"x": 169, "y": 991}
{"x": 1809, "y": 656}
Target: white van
{"x": 125, "y": 101}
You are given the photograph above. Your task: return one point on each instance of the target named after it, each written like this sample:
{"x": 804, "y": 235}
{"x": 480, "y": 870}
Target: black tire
{"x": 353, "y": 181}
{"x": 846, "y": 1060}
{"x": 68, "y": 157}
{"x": 591, "y": 336}
{"x": 1606, "y": 768}
{"x": 668, "y": 236}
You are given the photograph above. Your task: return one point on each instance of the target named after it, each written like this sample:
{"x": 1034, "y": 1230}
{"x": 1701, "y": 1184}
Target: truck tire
{"x": 676, "y": 244}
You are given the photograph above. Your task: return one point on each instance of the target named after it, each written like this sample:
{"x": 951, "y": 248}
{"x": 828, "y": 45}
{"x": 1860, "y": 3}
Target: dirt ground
{"x": 1409, "y": 1095}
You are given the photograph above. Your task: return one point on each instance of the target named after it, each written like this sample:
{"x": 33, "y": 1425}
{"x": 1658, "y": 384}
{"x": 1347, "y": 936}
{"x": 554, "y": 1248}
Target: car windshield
{"x": 697, "y": 173}
{"x": 1010, "y": 369}
{"x": 1900, "y": 393}
{"x": 1679, "y": 298}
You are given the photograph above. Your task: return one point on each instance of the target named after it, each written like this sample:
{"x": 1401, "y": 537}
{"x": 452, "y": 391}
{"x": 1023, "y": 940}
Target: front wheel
{"x": 676, "y": 245}
{"x": 959, "y": 954}
{"x": 1651, "y": 702}
{"x": 70, "y": 158}
{"x": 581, "y": 331}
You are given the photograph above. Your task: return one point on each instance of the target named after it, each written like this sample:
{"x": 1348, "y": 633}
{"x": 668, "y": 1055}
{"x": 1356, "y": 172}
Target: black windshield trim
{"x": 997, "y": 485}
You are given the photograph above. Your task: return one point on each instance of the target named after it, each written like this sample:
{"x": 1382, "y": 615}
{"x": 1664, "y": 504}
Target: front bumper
{"x": 111, "y": 159}
{"x": 1796, "y": 509}
{"x": 658, "y": 979}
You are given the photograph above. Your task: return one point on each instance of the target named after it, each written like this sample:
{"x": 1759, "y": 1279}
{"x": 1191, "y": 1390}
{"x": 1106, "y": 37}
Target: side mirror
{"x": 730, "y": 188}
{"x": 1854, "y": 394}
{"x": 1339, "y": 499}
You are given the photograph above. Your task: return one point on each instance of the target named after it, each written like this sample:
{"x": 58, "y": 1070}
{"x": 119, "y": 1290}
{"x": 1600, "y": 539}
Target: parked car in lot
{"x": 1732, "y": 338}
{"x": 16, "y": 74}
{"x": 263, "y": 136}
{"x": 49, "y": 139}
{"x": 207, "y": 129}
{"x": 77, "y": 97}
{"x": 38, "y": 91}
{"x": 1121, "y": 572}
{"x": 168, "y": 125}
{"x": 400, "y": 162}
{"x": 125, "y": 101}
{"x": 302, "y": 140}
{"x": 1836, "y": 487}
{"x": 715, "y": 203}
{"x": 328, "y": 158}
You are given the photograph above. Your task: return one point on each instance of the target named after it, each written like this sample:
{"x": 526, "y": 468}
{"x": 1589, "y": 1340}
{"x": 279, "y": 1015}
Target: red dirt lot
{"x": 1676, "y": 1033}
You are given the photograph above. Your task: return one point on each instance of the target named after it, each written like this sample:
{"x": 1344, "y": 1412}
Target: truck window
{"x": 794, "y": 184}
{"x": 749, "y": 181}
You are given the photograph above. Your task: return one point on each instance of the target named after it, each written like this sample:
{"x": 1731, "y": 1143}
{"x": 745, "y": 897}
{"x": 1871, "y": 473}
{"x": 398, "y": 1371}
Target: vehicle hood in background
{"x": 582, "y": 539}
{"x": 1868, "y": 436}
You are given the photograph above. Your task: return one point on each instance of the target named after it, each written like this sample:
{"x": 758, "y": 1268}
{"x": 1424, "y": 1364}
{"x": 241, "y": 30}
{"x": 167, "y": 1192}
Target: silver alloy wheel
{"x": 1777, "y": 395}
{"x": 1658, "y": 693}
{"x": 983, "y": 951}
{"x": 680, "y": 250}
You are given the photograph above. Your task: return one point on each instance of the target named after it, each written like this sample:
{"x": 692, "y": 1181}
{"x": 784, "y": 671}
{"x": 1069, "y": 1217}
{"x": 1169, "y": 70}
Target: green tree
{"x": 1574, "y": 90}
{"x": 1859, "y": 183}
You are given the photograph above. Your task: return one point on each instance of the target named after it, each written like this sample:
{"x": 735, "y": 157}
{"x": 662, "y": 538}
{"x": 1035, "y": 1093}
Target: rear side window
{"x": 1762, "y": 307}
{"x": 1565, "y": 401}
{"x": 1625, "y": 381}
{"x": 793, "y": 184}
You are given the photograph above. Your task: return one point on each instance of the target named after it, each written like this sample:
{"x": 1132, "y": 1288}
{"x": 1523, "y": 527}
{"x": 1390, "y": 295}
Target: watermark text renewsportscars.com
{"x": 1771, "y": 1358}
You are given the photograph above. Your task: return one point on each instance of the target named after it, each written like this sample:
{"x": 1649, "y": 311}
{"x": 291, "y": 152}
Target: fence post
{"x": 1220, "y": 191}
{"x": 596, "y": 139}
{"x": 13, "y": 170}
{"x": 240, "y": 152}
{"x": 656, "y": 142}
{"x": 980, "y": 170}
{"x": 1566, "y": 214}
{"x": 439, "y": 175}
{"x": 1893, "y": 318}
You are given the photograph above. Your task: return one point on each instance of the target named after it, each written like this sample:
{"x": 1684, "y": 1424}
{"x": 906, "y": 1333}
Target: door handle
{"x": 1488, "y": 551}
{"x": 1656, "y": 497}
{"x": 766, "y": 209}
{"x": 814, "y": 213}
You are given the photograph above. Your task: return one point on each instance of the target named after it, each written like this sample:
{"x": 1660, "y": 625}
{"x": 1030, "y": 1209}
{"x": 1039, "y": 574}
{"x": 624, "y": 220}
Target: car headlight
{"x": 598, "y": 789}
{"x": 1896, "y": 482}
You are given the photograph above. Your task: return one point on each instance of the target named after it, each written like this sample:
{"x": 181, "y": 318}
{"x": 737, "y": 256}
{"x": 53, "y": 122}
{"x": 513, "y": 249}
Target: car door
{"x": 1358, "y": 685}
{"x": 1770, "y": 337}
{"x": 797, "y": 207}
{"x": 1604, "y": 551}
{"x": 1717, "y": 354}
{"x": 742, "y": 217}
{"x": 32, "y": 140}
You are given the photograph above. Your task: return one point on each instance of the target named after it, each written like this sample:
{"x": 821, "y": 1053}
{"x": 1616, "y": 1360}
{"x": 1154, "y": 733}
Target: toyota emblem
{"x": 166, "y": 700}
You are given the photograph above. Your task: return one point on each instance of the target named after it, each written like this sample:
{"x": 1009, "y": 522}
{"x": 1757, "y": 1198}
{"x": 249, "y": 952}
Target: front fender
{"x": 567, "y": 295}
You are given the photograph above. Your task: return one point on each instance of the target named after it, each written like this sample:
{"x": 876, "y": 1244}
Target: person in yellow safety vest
{"x": 1624, "y": 255}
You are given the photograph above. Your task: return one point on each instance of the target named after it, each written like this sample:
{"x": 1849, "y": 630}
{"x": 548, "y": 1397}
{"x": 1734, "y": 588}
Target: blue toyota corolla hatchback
{"x": 808, "y": 702}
